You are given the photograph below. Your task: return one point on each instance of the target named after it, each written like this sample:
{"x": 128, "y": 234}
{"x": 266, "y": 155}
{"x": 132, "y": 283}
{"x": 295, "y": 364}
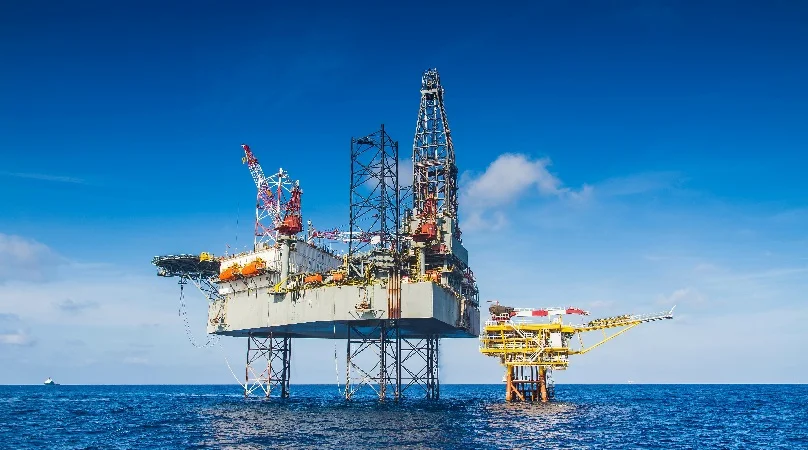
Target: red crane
{"x": 277, "y": 208}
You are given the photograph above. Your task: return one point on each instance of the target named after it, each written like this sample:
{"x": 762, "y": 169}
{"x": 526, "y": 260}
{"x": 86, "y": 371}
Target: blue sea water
{"x": 466, "y": 416}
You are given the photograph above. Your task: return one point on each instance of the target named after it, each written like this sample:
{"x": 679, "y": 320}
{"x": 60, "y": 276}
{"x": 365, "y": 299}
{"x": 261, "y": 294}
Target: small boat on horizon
{"x": 50, "y": 382}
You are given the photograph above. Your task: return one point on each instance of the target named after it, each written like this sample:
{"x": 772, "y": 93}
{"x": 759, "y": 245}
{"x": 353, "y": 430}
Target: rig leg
{"x": 527, "y": 384}
{"x": 543, "y": 383}
{"x": 379, "y": 373}
{"x": 419, "y": 366}
{"x": 433, "y": 380}
{"x": 513, "y": 386}
{"x": 392, "y": 364}
{"x": 508, "y": 384}
{"x": 268, "y": 366}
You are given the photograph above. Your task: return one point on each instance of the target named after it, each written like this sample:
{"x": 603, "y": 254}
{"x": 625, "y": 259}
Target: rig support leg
{"x": 508, "y": 384}
{"x": 379, "y": 373}
{"x": 432, "y": 379}
{"x": 389, "y": 364}
{"x": 527, "y": 384}
{"x": 268, "y": 366}
{"x": 543, "y": 383}
{"x": 512, "y": 391}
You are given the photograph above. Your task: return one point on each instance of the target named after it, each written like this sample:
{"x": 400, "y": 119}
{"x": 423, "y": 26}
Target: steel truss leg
{"x": 268, "y": 366}
{"x": 382, "y": 372}
{"x": 419, "y": 365}
{"x": 395, "y": 364}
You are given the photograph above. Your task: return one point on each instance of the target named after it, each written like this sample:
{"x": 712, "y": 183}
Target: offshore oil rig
{"x": 401, "y": 282}
{"x": 531, "y": 342}
{"x": 404, "y": 282}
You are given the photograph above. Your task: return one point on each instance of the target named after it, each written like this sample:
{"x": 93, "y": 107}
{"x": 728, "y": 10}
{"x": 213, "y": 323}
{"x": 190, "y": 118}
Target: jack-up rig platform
{"x": 403, "y": 284}
{"x": 532, "y": 342}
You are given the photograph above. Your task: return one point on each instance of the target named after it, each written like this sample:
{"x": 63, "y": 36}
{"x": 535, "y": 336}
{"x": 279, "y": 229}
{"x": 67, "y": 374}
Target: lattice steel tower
{"x": 433, "y": 157}
{"x": 375, "y": 209}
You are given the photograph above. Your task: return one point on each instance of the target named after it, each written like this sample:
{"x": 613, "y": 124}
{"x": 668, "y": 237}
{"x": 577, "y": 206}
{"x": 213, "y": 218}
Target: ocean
{"x": 466, "y": 417}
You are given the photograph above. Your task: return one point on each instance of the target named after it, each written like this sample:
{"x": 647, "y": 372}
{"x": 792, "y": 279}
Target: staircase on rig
{"x": 531, "y": 343}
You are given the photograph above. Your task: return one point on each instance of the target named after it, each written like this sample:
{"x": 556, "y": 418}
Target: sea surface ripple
{"x": 466, "y": 416}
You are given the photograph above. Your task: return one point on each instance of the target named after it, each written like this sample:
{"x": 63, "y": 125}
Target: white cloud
{"x": 18, "y": 337}
{"x": 74, "y": 307}
{"x": 405, "y": 172}
{"x": 705, "y": 268}
{"x": 640, "y": 183}
{"x": 687, "y": 296}
{"x": 770, "y": 273}
{"x": 506, "y": 179}
{"x": 135, "y": 360}
{"x": 600, "y": 304}
{"x": 477, "y": 220}
{"x": 44, "y": 177}
{"x": 26, "y": 259}
{"x": 12, "y": 331}
{"x": 107, "y": 300}
{"x": 509, "y": 176}
{"x": 122, "y": 316}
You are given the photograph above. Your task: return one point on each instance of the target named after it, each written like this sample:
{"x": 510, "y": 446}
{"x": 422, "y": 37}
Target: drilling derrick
{"x": 433, "y": 157}
{"x": 531, "y": 343}
{"x": 437, "y": 252}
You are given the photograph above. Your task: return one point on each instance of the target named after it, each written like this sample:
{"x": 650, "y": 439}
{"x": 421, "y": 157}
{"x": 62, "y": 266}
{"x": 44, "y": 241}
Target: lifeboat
{"x": 316, "y": 278}
{"x": 337, "y": 277}
{"x": 230, "y": 273}
{"x": 254, "y": 268}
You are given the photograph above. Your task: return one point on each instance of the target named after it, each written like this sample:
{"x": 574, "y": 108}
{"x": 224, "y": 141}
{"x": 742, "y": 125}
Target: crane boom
{"x": 255, "y": 169}
{"x": 622, "y": 321}
{"x": 277, "y": 207}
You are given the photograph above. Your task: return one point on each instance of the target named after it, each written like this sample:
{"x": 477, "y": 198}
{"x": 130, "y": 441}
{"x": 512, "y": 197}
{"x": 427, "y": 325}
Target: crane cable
{"x": 336, "y": 360}
{"x": 183, "y": 312}
{"x": 212, "y": 339}
{"x": 226, "y": 361}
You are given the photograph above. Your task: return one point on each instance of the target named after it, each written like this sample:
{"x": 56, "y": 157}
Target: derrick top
{"x": 430, "y": 84}
{"x": 433, "y": 157}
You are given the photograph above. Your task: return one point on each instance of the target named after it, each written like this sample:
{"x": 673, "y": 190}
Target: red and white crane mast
{"x": 277, "y": 207}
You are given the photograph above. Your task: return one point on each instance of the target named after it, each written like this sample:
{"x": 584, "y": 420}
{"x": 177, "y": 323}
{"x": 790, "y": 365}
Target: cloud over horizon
{"x": 74, "y": 307}
{"x": 13, "y": 332}
{"x": 26, "y": 259}
{"x": 507, "y": 179}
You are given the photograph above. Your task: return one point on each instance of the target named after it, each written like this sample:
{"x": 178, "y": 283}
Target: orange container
{"x": 229, "y": 273}
{"x": 254, "y": 268}
{"x": 430, "y": 230}
{"x": 316, "y": 278}
{"x": 426, "y": 232}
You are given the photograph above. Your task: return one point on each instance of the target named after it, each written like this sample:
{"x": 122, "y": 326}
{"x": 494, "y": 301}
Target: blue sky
{"x": 619, "y": 156}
